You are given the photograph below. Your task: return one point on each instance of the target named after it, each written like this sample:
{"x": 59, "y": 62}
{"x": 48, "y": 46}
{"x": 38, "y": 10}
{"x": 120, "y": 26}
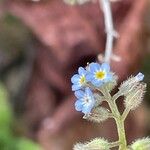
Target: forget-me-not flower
{"x": 99, "y": 74}
{"x": 79, "y": 79}
{"x": 85, "y": 101}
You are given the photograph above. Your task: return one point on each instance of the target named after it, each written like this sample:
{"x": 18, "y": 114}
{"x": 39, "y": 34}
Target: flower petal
{"x": 97, "y": 83}
{"x": 75, "y": 78}
{"x": 88, "y": 92}
{"x": 86, "y": 110}
{"x": 139, "y": 76}
{"x": 81, "y": 71}
{"x": 78, "y": 105}
{"x": 108, "y": 77}
{"x": 76, "y": 87}
{"x": 89, "y": 77}
{"x": 94, "y": 66}
{"x": 79, "y": 94}
{"x": 105, "y": 66}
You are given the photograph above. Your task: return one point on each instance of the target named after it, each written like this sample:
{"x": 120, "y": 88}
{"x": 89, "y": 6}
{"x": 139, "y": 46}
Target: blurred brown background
{"x": 41, "y": 46}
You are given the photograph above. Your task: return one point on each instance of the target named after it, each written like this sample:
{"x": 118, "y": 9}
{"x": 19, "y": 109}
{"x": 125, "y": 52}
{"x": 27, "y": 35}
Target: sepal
{"x": 98, "y": 99}
{"x": 98, "y": 115}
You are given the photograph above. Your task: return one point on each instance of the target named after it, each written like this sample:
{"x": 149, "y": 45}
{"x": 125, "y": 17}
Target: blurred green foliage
{"x": 8, "y": 141}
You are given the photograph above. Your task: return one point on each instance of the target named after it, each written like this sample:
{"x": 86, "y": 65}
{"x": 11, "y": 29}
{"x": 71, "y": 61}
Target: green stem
{"x": 118, "y": 118}
{"x": 125, "y": 113}
{"x": 121, "y": 134}
{"x": 116, "y": 96}
{"x": 114, "y": 144}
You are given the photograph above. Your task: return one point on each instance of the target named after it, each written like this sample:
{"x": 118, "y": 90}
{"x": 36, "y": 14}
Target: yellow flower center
{"x": 100, "y": 75}
{"x": 82, "y": 79}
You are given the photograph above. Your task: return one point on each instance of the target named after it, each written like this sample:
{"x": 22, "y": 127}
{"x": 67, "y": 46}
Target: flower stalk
{"x": 121, "y": 134}
{"x": 114, "y": 144}
{"x": 119, "y": 120}
{"x": 109, "y": 28}
{"x": 125, "y": 113}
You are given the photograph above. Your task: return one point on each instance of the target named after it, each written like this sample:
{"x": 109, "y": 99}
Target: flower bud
{"x": 79, "y": 146}
{"x": 98, "y": 115}
{"x": 130, "y": 84}
{"x": 96, "y": 144}
{"x": 98, "y": 99}
{"x": 135, "y": 97}
{"x": 141, "y": 144}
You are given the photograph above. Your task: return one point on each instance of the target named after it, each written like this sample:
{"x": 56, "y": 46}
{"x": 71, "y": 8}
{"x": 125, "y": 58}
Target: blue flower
{"x": 139, "y": 76}
{"x": 79, "y": 79}
{"x": 85, "y": 101}
{"x": 99, "y": 74}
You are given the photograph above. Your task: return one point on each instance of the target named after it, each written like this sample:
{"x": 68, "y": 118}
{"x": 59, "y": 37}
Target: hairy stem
{"x": 114, "y": 144}
{"x": 118, "y": 118}
{"x": 121, "y": 134}
{"x": 125, "y": 113}
{"x": 106, "y": 7}
{"x": 116, "y": 96}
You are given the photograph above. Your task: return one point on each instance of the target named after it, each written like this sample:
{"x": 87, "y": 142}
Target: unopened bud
{"x": 96, "y": 144}
{"x": 98, "y": 99}
{"x": 98, "y": 115}
{"x": 135, "y": 97}
{"x": 128, "y": 85}
{"x": 141, "y": 144}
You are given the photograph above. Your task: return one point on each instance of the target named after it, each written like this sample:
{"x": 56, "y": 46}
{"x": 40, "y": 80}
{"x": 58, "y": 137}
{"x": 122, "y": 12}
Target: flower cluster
{"x": 94, "y": 74}
{"x": 93, "y": 85}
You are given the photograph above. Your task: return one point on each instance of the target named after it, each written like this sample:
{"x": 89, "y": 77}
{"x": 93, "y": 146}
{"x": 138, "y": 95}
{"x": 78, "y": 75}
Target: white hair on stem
{"x": 109, "y": 28}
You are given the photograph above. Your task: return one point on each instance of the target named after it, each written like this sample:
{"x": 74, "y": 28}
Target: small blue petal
{"x": 87, "y": 109}
{"x": 75, "y": 78}
{"x": 89, "y": 77}
{"x": 81, "y": 71}
{"x": 94, "y": 66}
{"x": 108, "y": 78}
{"x": 76, "y": 87}
{"x": 106, "y": 67}
{"x": 79, "y": 94}
{"x": 88, "y": 92}
{"x": 97, "y": 83}
{"x": 78, "y": 105}
{"x": 139, "y": 76}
